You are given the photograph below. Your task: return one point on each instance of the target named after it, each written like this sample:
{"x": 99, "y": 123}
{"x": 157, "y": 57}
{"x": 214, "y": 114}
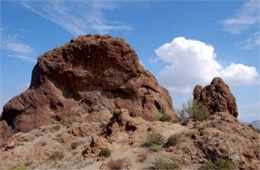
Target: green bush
{"x": 57, "y": 155}
{"x": 103, "y": 125}
{"x": 18, "y": 166}
{"x": 222, "y": 164}
{"x": 105, "y": 152}
{"x": 199, "y": 111}
{"x": 193, "y": 109}
{"x": 207, "y": 166}
{"x": 165, "y": 165}
{"x": 165, "y": 117}
{"x": 74, "y": 145}
{"x": 172, "y": 140}
{"x": 155, "y": 147}
{"x": 219, "y": 164}
{"x": 154, "y": 138}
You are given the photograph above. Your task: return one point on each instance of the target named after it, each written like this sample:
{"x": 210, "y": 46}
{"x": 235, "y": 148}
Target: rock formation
{"x": 217, "y": 97}
{"x": 89, "y": 77}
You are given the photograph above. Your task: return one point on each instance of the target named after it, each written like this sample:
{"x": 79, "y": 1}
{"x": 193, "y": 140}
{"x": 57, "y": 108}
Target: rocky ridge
{"x": 217, "y": 97}
{"x": 88, "y": 78}
{"x": 101, "y": 111}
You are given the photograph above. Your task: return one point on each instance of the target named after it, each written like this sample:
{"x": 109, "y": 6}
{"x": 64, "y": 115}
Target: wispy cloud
{"x": 17, "y": 49}
{"x": 245, "y": 17}
{"x": 77, "y": 17}
{"x": 252, "y": 42}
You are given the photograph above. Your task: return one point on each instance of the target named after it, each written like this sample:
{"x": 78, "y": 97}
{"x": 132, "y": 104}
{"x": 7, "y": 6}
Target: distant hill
{"x": 256, "y": 124}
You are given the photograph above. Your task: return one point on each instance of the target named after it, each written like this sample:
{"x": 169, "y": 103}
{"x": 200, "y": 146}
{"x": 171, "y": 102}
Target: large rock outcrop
{"x": 88, "y": 78}
{"x": 217, "y": 97}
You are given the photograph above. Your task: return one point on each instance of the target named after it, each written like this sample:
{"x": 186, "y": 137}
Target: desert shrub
{"x": 155, "y": 147}
{"x": 185, "y": 112}
{"x": 219, "y": 164}
{"x": 207, "y": 166}
{"x": 195, "y": 110}
{"x": 27, "y": 163}
{"x": 172, "y": 140}
{"x": 56, "y": 127}
{"x": 199, "y": 111}
{"x": 222, "y": 164}
{"x": 18, "y": 166}
{"x": 154, "y": 138}
{"x": 116, "y": 164}
{"x": 105, "y": 152}
{"x": 165, "y": 117}
{"x": 165, "y": 165}
{"x": 74, "y": 145}
{"x": 103, "y": 125}
{"x": 57, "y": 155}
{"x": 157, "y": 114}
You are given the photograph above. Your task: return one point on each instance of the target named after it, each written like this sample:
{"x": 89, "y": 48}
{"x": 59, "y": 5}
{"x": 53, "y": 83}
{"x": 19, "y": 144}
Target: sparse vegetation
{"x": 56, "y": 127}
{"x": 105, "y": 152}
{"x": 18, "y": 166}
{"x": 199, "y": 111}
{"x": 27, "y": 163}
{"x": 219, "y": 164}
{"x": 162, "y": 164}
{"x": 207, "y": 166}
{"x": 155, "y": 147}
{"x": 74, "y": 145}
{"x": 115, "y": 164}
{"x": 103, "y": 125}
{"x": 224, "y": 164}
{"x": 195, "y": 110}
{"x": 172, "y": 140}
{"x": 255, "y": 129}
{"x": 57, "y": 155}
{"x": 154, "y": 138}
{"x": 165, "y": 117}
{"x": 162, "y": 116}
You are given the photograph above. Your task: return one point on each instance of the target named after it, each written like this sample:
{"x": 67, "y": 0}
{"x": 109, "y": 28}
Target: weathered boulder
{"x": 96, "y": 145}
{"x": 90, "y": 75}
{"x": 121, "y": 121}
{"x": 5, "y": 132}
{"x": 217, "y": 97}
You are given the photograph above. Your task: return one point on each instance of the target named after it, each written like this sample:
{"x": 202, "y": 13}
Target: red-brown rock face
{"x": 217, "y": 97}
{"x": 89, "y": 76}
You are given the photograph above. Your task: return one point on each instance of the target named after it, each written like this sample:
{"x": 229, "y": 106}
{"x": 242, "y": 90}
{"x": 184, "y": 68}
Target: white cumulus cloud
{"x": 191, "y": 62}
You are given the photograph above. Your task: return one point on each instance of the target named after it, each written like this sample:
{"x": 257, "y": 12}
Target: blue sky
{"x": 183, "y": 43}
